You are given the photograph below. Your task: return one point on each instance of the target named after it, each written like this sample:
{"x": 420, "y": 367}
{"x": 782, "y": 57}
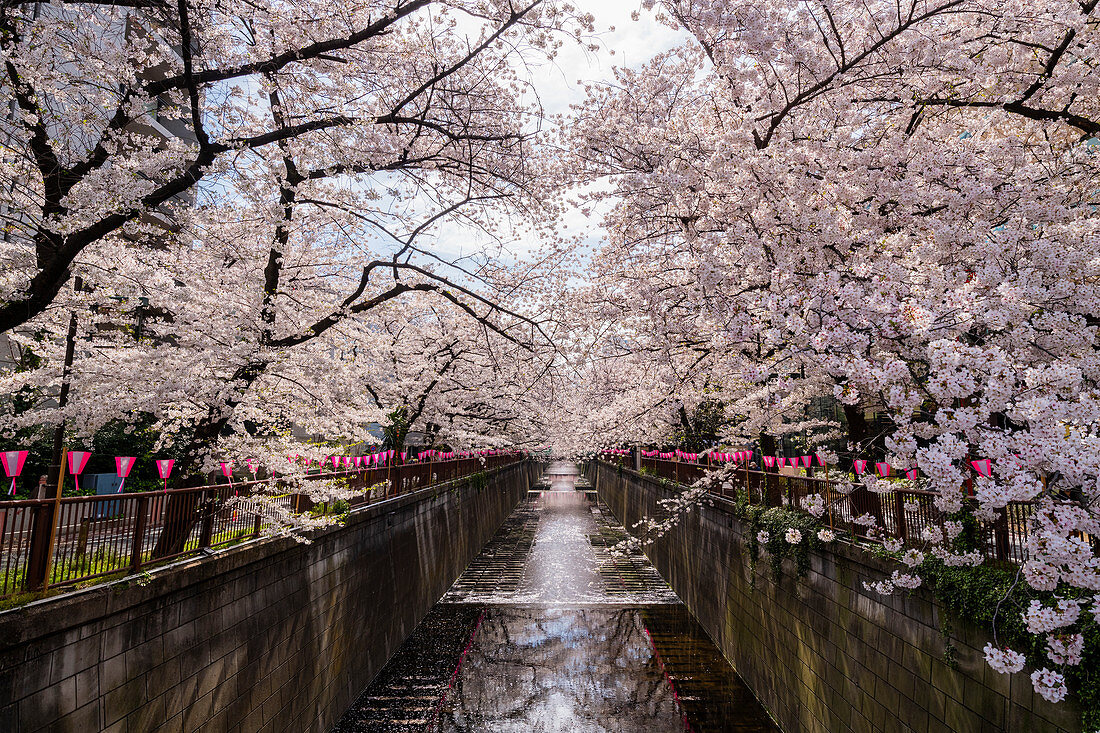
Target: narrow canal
{"x": 546, "y": 631}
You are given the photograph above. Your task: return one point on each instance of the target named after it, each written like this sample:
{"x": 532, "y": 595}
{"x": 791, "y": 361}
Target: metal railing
{"x": 45, "y": 543}
{"x": 899, "y": 512}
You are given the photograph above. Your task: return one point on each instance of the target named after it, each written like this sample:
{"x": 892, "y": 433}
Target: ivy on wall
{"x": 770, "y": 530}
{"x": 992, "y": 596}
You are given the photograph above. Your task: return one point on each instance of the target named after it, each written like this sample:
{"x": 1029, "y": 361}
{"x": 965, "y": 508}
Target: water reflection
{"x": 555, "y": 550}
{"x": 562, "y": 475}
{"x": 560, "y": 669}
{"x": 545, "y": 631}
{"x": 507, "y": 670}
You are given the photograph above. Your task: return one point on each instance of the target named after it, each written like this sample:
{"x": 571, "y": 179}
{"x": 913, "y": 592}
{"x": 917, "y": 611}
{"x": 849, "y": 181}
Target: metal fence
{"x": 900, "y": 512}
{"x": 46, "y": 543}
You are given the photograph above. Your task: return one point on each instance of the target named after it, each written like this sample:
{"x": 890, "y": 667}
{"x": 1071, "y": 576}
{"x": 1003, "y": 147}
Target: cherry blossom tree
{"x": 324, "y": 150}
{"x": 890, "y": 204}
{"x": 333, "y": 93}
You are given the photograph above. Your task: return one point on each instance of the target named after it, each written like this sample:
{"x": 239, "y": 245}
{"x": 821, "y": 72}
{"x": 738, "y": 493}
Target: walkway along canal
{"x": 545, "y": 631}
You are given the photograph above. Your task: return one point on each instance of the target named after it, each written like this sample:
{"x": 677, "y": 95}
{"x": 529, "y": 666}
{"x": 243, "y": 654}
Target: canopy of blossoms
{"x": 238, "y": 223}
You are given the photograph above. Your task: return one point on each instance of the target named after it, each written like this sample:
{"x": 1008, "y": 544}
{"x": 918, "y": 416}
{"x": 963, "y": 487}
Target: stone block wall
{"x": 821, "y": 652}
{"x": 271, "y": 636}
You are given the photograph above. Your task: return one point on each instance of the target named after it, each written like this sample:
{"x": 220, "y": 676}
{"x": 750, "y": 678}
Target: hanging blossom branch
{"x": 649, "y": 529}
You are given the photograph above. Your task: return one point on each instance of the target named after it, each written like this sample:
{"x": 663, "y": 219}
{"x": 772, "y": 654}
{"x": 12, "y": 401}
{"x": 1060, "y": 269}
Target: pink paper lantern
{"x": 860, "y": 466}
{"x": 13, "y": 461}
{"x": 984, "y": 467}
{"x": 164, "y": 468}
{"x": 123, "y": 466}
{"x": 77, "y": 461}
{"x": 883, "y": 469}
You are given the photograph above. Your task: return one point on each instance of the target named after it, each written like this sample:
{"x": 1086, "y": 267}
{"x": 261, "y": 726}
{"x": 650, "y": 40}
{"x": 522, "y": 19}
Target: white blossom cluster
{"x": 790, "y": 210}
{"x": 814, "y": 504}
{"x": 1005, "y": 661}
{"x": 1050, "y": 684}
{"x": 1041, "y": 618}
{"x": 263, "y": 274}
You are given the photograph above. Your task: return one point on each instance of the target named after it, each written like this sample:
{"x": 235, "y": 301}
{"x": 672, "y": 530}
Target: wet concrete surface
{"x": 547, "y": 631}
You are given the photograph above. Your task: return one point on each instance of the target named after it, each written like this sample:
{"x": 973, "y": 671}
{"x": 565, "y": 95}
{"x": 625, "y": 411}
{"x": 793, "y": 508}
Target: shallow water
{"x": 547, "y": 631}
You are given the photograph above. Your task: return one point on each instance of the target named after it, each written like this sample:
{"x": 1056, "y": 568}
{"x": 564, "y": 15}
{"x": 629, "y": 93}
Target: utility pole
{"x": 63, "y": 396}
{"x": 45, "y": 519}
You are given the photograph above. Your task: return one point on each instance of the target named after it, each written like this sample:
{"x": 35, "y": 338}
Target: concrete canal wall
{"x": 820, "y": 652}
{"x": 271, "y": 636}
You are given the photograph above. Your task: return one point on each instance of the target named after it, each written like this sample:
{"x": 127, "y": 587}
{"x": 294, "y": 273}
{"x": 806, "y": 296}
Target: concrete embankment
{"x": 821, "y": 652}
{"x": 272, "y": 636}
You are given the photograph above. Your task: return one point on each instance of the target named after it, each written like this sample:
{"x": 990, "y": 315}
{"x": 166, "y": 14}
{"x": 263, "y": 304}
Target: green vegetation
{"x": 479, "y": 481}
{"x": 776, "y": 521}
{"x": 995, "y": 597}
{"x": 338, "y": 509}
{"x": 106, "y": 560}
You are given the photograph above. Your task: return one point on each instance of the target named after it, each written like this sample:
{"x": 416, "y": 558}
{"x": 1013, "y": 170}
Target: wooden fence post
{"x": 1001, "y": 545}
{"x": 206, "y": 534}
{"x": 899, "y": 517}
{"x": 139, "y": 534}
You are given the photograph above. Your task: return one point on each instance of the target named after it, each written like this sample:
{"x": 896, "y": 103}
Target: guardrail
{"x": 45, "y": 543}
{"x": 901, "y": 513}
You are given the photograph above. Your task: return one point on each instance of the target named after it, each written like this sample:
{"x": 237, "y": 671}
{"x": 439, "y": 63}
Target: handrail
{"x": 108, "y": 534}
{"x": 898, "y": 512}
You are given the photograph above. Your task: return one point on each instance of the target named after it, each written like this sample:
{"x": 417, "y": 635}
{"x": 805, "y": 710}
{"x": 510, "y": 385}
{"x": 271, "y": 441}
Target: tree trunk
{"x": 767, "y": 445}
{"x": 859, "y": 432}
{"x": 185, "y": 509}
{"x": 180, "y": 516}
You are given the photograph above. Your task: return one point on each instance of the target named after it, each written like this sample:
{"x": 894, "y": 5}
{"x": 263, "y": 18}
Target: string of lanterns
{"x": 14, "y": 460}
{"x": 983, "y": 467}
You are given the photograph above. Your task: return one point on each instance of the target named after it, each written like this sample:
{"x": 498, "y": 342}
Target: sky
{"x": 623, "y": 42}
{"x": 630, "y": 44}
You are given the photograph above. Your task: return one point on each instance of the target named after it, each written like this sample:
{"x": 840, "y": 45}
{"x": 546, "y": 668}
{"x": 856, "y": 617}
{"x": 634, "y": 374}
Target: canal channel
{"x": 548, "y": 630}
